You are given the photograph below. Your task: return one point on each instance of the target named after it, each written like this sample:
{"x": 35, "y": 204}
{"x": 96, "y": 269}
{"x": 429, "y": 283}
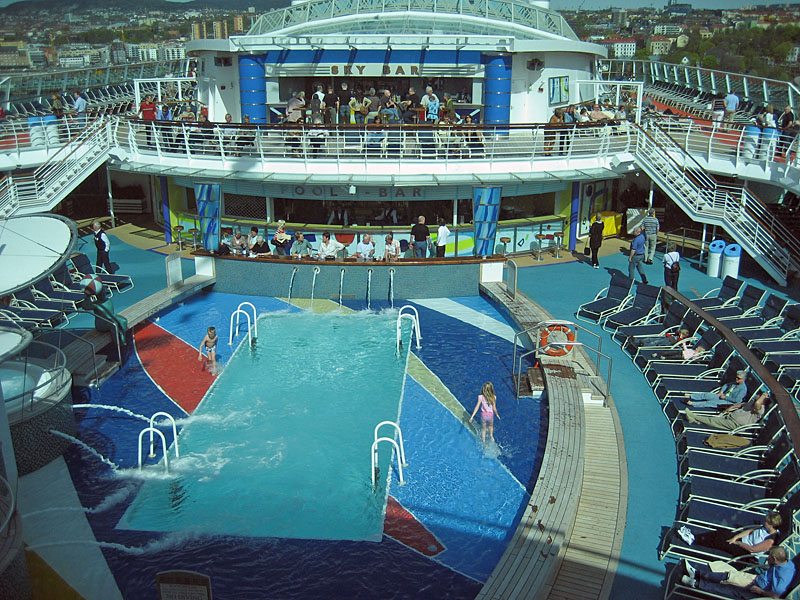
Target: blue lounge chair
{"x": 709, "y": 365}
{"x": 748, "y": 304}
{"x": 646, "y": 354}
{"x": 119, "y": 283}
{"x": 49, "y": 289}
{"x": 40, "y": 301}
{"x": 63, "y": 280}
{"x": 609, "y": 300}
{"x": 789, "y": 326}
{"x": 632, "y": 335}
{"x": 727, "y": 295}
{"x": 41, "y": 317}
{"x": 645, "y": 305}
{"x": 667, "y": 388}
{"x": 769, "y": 315}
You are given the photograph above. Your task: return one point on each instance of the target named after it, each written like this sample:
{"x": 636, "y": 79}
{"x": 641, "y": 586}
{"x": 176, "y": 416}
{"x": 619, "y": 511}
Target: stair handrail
{"x": 255, "y": 317}
{"x": 61, "y": 330}
{"x": 396, "y": 427}
{"x": 775, "y": 228}
{"x": 171, "y": 420}
{"x": 153, "y": 430}
{"x": 85, "y": 134}
{"x": 765, "y": 248}
{"x": 374, "y": 458}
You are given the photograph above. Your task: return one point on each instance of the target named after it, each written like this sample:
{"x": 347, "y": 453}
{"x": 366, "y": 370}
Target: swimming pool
{"x": 285, "y": 433}
{"x": 443, "y": 532}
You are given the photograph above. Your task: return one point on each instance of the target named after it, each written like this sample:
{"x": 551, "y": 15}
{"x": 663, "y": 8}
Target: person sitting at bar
{"x": 597, "y": 114}
{"x": 389, "y": 106}
{"x": 392, "y": 252}
{"x": 365, "y": 250}
{"x": 409, "y": 104}
{"x": 300, "y": 247}
{"x": 260, "y": 247}
{"x": 247, "y": 136}
{"x": 251, "y": 237}
{"x": 328, "y": 248}
{"x": 238, "y": 243}
{"x": 281, "y": 239}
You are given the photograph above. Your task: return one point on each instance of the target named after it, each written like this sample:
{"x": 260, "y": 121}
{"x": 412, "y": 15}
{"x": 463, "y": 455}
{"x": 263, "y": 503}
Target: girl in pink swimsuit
{"x": 487, "y": 404}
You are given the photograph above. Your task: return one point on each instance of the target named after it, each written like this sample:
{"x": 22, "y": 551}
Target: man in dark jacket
{"x": 596, "y": 239}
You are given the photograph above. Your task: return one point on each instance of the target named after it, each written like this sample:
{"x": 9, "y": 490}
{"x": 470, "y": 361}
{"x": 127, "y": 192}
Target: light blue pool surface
{"x": 288, "y": 428}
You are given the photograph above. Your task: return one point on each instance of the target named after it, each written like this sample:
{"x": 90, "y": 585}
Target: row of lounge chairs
{"x": 53, "y": 300}
{"x": 719, "y": 488}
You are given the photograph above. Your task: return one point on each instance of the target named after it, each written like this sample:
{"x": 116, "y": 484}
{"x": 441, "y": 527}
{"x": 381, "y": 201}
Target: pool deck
{"x": 568, "y": 542}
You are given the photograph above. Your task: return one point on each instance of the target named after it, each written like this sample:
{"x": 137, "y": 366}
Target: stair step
{"x": 103, "y": 373}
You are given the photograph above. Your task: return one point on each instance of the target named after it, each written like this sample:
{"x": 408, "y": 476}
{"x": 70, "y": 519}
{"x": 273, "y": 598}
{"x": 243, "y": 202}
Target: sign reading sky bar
{"x": 183, "y": 585}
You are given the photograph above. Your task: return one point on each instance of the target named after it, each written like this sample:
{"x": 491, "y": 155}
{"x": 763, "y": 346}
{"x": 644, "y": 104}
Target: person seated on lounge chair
{"x": 735, "y": 416}
{"x": 732, "y": 393}
{"x": 730, "y": 583}
{"x": 747, "y": 540}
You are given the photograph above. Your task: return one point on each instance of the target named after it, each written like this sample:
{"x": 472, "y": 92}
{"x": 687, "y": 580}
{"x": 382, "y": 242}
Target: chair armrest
{"x": 708, "y": 294}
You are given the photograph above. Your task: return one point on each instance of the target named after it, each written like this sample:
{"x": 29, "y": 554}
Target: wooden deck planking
{"x": 575, "y": 556}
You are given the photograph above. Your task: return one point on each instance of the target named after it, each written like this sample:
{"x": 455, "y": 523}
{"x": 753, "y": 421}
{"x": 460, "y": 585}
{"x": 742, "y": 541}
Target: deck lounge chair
{"x": 706, "y": 367}
{"x": 677, "y": 590}
{"x": 645, "y": 305}
{"x": 672, "y": 545}
{"x": 667, "y": 388}
{"x": 49, "y": 289}
{"x": 41, "y": 317}
{"x": 788, "y": 326}
{"x": 727, "y": 295}
{"x": 748, "y": 304}
{"x": 656, "y": 327}
{"x": 63, "y": 280}
{"x": 776, "y": 484}
{"x": 609, "y": 300}
{"x": 647, "y": 354}
{"x": 691, "y": 322}
{"x": 120, "y": 283}
{"x": 772, "y": 310}
{"x": 10, "y": 319}
{"x": 39, "y": 300}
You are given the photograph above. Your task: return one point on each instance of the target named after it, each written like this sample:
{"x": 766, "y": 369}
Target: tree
{"x": 710, "y": 62}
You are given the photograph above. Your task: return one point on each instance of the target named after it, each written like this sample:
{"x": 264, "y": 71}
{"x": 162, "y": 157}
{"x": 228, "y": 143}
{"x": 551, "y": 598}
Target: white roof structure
{"x": 33, "y": 246}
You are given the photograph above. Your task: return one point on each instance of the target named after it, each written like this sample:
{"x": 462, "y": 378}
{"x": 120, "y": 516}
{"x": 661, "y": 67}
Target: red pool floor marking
{"x": 172, "y": 364}
{"x": 404, "y": 527}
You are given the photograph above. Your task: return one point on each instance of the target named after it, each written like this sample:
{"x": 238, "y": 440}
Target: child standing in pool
{"x": 488, "y": 405}
{"x": 210, "y": 344}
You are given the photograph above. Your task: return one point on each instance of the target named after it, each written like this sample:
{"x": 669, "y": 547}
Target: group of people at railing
{"x": 420, "y": 244}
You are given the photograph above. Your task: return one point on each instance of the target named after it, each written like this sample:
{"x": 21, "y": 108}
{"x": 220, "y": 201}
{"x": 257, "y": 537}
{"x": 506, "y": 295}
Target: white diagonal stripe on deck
{"x": 467, "y": 315}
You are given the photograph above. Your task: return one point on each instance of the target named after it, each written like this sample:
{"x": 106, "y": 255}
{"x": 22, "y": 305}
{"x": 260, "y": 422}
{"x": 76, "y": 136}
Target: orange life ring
{"x": 554, "y": 350}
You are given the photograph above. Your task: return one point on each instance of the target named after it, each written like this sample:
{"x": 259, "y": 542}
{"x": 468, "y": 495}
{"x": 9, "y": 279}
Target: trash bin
{"x": 731, "y": 258}
{"x": 715, "y": 250}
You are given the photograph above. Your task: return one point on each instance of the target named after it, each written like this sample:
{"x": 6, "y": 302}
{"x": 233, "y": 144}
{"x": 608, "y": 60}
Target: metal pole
{"x": 650, "y": 197}
{"x": 110, "y": 198}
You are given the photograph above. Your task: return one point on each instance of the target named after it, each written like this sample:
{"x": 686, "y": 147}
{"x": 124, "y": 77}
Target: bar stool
{"x": 179, "y": 232}
{"x": 559, "y": 237}
{"x": 540, "y": 237}
{"x": 506, "y": 241}
{"x": 194, "y": 231}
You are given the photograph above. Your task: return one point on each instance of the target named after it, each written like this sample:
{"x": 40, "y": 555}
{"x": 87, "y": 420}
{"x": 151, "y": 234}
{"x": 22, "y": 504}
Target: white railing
{"x": 151, "y": 431}
{"x": 414, "y": 325}
{"x": 234, "y": 330}
{"x": 239, "y": 310}
{"x": 152, "y": 428}
{"x": 399, "y": 449}
{"x": 707, "y": 201}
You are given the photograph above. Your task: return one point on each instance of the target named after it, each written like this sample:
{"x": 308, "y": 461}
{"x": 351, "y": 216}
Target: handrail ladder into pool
{"x": 152, "y": 430}
{"x": 235, "y": 329}
{"x": 399, "y": 435}
{"x": 414, "y": 329}
{"x": 151, "y": 427}
{"x": 374, "y": 460}
{"x": 255, "y": 317}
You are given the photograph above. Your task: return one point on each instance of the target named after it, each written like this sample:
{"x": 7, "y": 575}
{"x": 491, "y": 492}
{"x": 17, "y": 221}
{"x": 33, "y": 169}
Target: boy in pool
{"x": 210, "y": 344}
{"x": 488, "y": 405}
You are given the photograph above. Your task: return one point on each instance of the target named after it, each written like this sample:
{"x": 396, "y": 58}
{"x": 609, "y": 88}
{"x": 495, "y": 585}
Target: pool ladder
{"x": 234, "y": 330}
{"x": 398, "y": 449}
{"x": 414, "y": 322}
{"x": 153, "y": 431}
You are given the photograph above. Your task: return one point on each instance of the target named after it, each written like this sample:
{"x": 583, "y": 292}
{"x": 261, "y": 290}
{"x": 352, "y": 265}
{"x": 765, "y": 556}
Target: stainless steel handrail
{"x": 542, "y": 324}
{"x": 61, "y": 330}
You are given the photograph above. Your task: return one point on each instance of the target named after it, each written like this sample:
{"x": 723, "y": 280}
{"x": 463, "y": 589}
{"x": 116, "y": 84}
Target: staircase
{"x": 734, "y": 208}
{"x": 63, "y": 172}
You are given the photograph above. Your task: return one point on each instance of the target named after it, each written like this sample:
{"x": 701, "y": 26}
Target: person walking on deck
{"x": 636, "y": 256}
{"x": 651, "y": 227}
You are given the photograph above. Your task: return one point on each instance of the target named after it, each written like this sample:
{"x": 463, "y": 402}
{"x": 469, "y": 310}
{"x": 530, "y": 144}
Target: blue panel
{"x": 165, "y": 209}
{"x": 486, "y": 209}
{"x": 574, "y": 214}
{"x": 207, "y": 195}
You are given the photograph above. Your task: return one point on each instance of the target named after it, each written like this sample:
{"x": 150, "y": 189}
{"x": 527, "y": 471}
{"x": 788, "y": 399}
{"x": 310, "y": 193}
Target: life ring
{"x": 557, "y": 350}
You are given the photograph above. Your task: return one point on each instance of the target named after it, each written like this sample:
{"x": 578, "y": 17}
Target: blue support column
{"x": 253, "y": 88}
{"x": 574, "y": 214}
{"x": 497, "y": 90}
{"x": 485, "y": 210}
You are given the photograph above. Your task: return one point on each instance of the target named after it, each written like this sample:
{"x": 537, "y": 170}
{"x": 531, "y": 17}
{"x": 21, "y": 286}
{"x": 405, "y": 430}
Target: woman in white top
{"x": 441, "y": 238}
{"x": 392, "y": 248}
{"x": 672, "y": 267}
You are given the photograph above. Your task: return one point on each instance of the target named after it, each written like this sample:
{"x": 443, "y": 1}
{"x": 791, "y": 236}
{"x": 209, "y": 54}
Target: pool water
{"x": 16, "y": 378}
{"x": 280, "y": 446}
